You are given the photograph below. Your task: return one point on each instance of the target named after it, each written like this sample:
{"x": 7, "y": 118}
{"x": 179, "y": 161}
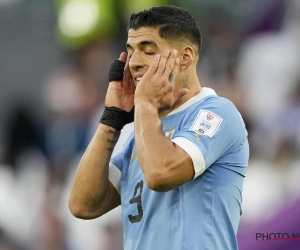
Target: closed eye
{"x": 149, "y": 53}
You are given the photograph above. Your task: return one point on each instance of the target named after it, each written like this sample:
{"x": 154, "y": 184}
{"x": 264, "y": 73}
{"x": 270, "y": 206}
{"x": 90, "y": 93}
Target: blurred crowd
{"x": 53, "y": 84}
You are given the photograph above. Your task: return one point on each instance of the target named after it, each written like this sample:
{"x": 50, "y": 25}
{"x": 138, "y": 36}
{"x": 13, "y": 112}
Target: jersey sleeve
{"x": 116, "y": 163}
{"x": 115, "y": 170}
{"x": 207, "y": 134}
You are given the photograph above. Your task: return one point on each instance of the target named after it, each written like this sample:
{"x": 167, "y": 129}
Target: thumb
{"x": 180, "y": 93}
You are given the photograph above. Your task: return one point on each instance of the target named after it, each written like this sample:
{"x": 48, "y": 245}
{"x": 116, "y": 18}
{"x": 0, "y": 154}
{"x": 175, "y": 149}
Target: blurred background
{"x": 54, "y": 59}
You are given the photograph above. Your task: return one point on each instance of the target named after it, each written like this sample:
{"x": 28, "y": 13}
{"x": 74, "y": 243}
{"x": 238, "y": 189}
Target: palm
{"x": 120, "y": 95}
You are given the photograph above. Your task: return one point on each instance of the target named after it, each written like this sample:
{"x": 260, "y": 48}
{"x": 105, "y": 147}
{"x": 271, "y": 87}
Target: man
{"x": 179, "y": 177}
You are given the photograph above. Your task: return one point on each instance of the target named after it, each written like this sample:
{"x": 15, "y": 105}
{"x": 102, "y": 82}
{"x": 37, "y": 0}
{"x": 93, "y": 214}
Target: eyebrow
{"x": 143, "y": 43}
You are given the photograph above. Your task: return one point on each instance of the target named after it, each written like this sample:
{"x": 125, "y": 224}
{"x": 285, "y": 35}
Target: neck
{"x": 189, "y": 81}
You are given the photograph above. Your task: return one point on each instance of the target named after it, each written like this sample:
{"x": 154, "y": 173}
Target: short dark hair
{"x": 173, "y": 23}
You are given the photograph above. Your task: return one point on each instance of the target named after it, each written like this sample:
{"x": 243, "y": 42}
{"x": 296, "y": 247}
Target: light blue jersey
{"x": 202, "y": 214}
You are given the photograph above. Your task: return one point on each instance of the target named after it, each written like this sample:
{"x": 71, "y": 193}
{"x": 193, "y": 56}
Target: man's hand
{"x": 120, "y": 94}
{"x": 157, "y": 86}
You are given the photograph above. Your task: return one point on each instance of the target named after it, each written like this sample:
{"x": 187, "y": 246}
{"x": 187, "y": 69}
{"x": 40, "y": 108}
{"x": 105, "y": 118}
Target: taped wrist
{"x": 116, "y": 71}
{"x": 116, "y": 117}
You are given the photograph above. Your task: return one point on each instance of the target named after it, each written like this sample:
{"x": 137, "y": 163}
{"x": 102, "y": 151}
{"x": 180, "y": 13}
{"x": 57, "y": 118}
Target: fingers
{"x": 169, "y": 68}
{"x": 180, "y": 93}
{"x": 153, "y": 66}
{"x": 174, "y": 73}
{"x": 165, "y": 65}
{"x": 161, "y": 67}
{"x": 168, "y": 65}
{"x": 123, "y": 57}
{"x": 127, "y": 75}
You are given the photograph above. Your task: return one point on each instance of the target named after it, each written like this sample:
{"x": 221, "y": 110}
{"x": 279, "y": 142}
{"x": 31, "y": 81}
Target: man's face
{"x": 142, "y": 45}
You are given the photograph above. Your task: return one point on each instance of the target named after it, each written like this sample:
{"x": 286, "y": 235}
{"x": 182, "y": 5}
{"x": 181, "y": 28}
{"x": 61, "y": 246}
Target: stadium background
{"x": 54, "y": 58}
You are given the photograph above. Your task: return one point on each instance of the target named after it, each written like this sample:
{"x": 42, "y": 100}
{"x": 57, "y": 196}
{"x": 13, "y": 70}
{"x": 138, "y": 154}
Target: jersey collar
{"x": 203, "y": 93}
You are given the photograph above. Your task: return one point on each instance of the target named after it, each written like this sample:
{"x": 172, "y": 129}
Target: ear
{"x": 187, "y": 55}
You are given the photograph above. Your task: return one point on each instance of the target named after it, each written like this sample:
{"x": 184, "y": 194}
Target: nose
{"x": 136, "y": 60}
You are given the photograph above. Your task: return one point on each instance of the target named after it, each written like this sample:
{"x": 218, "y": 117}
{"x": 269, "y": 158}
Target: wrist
{"x": 116, "y": 117}
{"x": 145, "y": 108}
{"x": 146, "y": 103}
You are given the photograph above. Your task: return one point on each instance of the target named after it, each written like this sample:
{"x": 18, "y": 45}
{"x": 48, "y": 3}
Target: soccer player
{"x": 180, "y": 175}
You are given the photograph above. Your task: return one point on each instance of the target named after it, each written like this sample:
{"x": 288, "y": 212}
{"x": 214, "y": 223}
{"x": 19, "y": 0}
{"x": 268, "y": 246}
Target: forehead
{"x": 136, "y": 37}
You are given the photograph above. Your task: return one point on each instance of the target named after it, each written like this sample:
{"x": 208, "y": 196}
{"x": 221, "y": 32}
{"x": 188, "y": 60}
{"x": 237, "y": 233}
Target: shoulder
{"x": 215, "y": 104}
{"x": 207, "y": 106}
{"x": 208, "y": 99}
{"x": 218, "y": 112}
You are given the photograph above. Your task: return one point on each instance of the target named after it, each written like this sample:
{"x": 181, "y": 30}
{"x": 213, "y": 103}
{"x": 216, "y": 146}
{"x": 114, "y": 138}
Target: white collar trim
{"x": 203, "y": 93}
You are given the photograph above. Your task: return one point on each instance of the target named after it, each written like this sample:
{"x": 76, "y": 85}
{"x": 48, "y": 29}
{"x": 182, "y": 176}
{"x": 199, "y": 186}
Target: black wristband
{"x": 116, "y": 118}
{"x": 116, "y": 71}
